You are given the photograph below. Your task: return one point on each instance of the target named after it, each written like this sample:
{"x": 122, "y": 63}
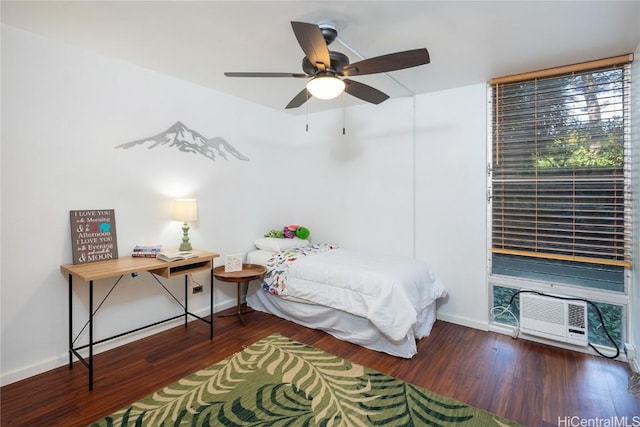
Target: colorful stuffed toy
{"x": 302, "y": 233}
{"x": 275, "y": 233}
{"x": 289, "y": 232}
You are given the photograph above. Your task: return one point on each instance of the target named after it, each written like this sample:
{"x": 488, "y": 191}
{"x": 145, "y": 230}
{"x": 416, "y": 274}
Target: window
{"x": 559, "y": 178}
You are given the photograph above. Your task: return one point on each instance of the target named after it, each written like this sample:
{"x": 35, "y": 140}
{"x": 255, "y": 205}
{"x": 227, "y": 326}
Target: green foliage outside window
{"x": 574, "y": 151}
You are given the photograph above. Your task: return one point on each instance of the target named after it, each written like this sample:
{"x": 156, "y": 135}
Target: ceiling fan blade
{"x": 299, "y": 99}
{"x": 250, "y": 74}
{"x": 364, "y": 92}
{"x": 389, "y": 62}
{"x": 312, "y": 43}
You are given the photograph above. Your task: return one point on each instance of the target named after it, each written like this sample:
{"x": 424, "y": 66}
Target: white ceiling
{"x": 469, "y": 41}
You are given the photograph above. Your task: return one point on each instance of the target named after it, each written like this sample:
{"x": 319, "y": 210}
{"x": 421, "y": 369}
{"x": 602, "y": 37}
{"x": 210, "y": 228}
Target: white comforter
{"x": 389, "y": 291}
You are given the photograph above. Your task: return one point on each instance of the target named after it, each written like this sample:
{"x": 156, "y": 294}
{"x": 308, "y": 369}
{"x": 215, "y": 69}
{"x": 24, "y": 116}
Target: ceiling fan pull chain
{"x": 307, "y": 124}
{"x": 344, "y": 114}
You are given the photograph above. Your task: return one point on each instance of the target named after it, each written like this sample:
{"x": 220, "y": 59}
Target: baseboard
{"x": 463, "y": 321}
{"x": 63, "y": 359}
{"x": 632, "y": 355}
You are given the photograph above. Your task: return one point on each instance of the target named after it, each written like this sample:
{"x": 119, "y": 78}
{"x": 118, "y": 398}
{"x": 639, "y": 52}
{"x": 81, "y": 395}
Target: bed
{"x": 382, "y": 303}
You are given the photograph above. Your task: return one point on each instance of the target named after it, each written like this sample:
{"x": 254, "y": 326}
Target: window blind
{"x": 560, "y": 171}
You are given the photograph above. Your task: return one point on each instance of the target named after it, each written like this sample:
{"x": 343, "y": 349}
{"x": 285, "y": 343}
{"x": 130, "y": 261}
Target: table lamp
{"x": 185, "y": 210}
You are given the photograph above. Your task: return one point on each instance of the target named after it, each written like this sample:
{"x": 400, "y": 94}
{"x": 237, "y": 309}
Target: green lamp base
{"x": 186, "y": 245}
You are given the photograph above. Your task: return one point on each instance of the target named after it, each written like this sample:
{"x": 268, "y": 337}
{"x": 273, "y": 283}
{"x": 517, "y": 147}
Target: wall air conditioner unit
{"x": 553, "y": 318}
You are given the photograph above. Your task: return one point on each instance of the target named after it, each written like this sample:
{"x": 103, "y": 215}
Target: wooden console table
{"x": 120, "y": 267}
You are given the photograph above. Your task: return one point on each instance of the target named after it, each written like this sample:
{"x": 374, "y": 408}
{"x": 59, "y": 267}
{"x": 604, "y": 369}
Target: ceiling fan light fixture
{"x": 324, "y": 68}
{"x": 325, "y": 87}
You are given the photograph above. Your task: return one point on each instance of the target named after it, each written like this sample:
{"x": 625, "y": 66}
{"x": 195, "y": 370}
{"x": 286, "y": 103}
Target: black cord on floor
{"x": 578, "y": 299}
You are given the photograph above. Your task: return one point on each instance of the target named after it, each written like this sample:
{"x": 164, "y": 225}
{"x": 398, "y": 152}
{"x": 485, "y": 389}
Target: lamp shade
{"x": 185, "y": 210}
{"x": 325, "y": 87}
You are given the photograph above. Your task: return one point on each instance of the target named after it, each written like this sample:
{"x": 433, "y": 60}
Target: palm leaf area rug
{"x": 280, "y": 382}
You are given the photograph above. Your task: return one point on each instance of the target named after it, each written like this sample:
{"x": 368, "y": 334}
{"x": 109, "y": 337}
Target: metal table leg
{"x": 211, "y": 304}
{"x": 238, "y": 312}
{"x": 91, "y": 335}
{"x": 70, "y": 321}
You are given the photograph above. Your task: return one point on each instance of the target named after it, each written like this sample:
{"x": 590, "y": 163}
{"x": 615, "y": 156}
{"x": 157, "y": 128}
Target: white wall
{"x": 364, "y": 197}
{"x": 408, "y": 179}
{"x": 451, "y": 198}
{"x": 64, "y": 110}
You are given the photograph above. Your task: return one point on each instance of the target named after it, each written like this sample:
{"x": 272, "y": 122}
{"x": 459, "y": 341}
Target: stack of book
{"x": 146, "y": 251}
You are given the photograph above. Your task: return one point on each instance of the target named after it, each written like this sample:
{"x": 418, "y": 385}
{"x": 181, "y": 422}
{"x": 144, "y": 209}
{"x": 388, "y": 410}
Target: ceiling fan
{"x": 325, "y": 68}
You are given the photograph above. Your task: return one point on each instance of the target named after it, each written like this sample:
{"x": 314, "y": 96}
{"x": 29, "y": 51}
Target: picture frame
{"x": 93, "y": 235}
{"x": 232, "y": 263}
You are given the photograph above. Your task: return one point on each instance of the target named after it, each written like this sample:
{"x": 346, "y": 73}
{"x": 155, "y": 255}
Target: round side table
{"x": 248, "y": 273}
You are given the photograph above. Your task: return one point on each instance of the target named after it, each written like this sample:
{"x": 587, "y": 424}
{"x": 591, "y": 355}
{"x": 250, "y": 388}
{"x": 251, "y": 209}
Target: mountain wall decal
{"x": 189, "y": 141}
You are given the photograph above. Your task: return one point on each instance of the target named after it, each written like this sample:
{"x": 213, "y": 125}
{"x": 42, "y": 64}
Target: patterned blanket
{"x": 275, "y": 280}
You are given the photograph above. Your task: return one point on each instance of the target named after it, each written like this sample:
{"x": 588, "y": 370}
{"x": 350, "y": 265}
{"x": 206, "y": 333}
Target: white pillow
{"x": 277, "y": 244}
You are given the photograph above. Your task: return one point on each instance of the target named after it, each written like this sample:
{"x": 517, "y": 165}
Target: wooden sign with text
{"x": 93, "y": 235}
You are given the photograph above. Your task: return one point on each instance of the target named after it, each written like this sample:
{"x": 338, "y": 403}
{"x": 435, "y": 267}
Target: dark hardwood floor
{"x": 533, "y": 384}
